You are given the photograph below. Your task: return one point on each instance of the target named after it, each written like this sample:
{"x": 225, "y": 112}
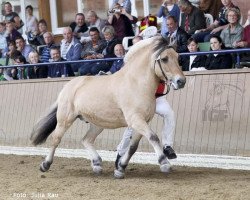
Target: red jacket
{"x": 162, "y": 89}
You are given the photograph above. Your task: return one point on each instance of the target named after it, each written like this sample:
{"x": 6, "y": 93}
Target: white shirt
{"x": 191, "y": 60}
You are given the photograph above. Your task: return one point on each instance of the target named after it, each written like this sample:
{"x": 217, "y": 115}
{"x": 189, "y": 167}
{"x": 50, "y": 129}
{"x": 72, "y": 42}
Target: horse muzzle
{"x": 178, "y": 82}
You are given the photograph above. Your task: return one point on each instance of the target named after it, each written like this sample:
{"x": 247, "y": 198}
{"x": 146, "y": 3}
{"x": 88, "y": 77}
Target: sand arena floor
{"x": 73, "y": 179}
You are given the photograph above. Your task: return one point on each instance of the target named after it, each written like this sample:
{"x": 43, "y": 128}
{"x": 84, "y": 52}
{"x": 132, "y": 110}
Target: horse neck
{"x": 142, "y": 73}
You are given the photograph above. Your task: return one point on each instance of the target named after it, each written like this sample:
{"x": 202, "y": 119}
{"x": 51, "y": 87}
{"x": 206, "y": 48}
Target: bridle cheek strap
{"x": 158, "y": 60}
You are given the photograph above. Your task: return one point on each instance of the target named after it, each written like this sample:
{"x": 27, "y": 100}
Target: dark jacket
{"x": 82, "y": 29}
{"x": 181, "y": 38}
{"x": 199, "y": 61}
{"x": 196, "y": 20}
{"x": 221, "y": 61}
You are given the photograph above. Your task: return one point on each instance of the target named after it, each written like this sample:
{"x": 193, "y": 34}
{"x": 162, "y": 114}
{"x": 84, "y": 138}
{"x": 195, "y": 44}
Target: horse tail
{"x": 45, "y": 126}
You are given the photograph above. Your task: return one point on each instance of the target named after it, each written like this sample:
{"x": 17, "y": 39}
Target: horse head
{"x": 166, "y": 64}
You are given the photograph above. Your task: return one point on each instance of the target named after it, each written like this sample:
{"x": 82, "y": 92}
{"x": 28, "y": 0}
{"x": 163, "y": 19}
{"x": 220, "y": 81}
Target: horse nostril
{"x": 181, "y": 82}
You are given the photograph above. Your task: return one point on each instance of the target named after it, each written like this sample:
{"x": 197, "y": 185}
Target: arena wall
{"x": 212, "y": 113}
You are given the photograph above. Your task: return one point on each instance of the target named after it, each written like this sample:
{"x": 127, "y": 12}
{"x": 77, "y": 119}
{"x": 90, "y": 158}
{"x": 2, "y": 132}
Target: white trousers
{"x": 163, "y": 109}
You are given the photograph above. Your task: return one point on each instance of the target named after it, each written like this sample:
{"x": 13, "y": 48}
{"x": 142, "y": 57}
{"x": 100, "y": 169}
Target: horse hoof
{"x": 165, "y": 168}
{"x": 97, "y": 170}
{"x": 118, "y": 174}
{"x": 44, "y": 166}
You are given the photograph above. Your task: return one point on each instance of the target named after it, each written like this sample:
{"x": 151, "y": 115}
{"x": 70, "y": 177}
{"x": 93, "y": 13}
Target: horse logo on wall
{"x": 222, "y": 100}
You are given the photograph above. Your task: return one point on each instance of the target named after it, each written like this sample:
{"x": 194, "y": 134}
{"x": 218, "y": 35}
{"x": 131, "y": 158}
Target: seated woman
{"x": 218, "y": 61}
{"x": 195, "y": 61}
{"x": 233, "y": 31}
{"x": 39, "y": 71}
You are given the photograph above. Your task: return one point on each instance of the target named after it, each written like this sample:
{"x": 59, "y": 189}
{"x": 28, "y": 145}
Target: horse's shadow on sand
{"x": 141, "y": 172}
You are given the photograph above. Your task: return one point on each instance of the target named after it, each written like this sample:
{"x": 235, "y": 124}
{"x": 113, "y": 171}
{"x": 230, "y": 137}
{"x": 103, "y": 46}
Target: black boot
{"x": 169, "y": 152}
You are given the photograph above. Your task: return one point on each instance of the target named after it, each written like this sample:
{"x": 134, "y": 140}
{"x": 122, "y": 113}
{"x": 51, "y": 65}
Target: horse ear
{"x": 170, "y": 43}
{"x": 166, "y": 38}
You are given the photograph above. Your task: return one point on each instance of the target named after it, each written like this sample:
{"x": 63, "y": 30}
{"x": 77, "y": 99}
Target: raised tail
{"x": 45, "y": 126}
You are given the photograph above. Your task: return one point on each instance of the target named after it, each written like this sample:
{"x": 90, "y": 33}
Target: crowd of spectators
{"x": 90, "y": 37}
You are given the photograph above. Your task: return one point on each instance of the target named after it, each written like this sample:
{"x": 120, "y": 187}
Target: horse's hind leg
{"x": 56, "y": 139}
{"x": 124, "y": 160}
{"x": 88, "y": 142}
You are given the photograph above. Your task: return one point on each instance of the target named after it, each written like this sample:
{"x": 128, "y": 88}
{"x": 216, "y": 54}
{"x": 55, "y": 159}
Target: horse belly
{"x": 104, "y": 117}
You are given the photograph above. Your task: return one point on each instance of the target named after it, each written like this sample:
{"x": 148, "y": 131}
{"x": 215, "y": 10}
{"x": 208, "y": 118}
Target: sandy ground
{"x": 68, "y": 179}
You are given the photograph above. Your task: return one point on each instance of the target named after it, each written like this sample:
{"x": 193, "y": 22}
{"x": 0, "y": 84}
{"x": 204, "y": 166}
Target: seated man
{"x": 117, "y": 64}
{"x": 58, "y": 70}
{"x": 24, "y": 48}
{"x": 192, "y": 18}
{"x": 71, "y": 48}
{"x": 44, "y": 51}
{"x": 79, "y": 26}
{"x": 176, "y": 35}
{"x": 92, "y": 50}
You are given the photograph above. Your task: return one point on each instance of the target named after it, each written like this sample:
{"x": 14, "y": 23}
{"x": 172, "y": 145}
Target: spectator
{"x": 37, "y": 38}
{"x": 189, "y": 63}
{"x": 245, "y": 43}
{"x": 93, "y": 50}
{"x": 94, "y": 21}
{"x": 12, "y": 17}
{"x": 23, "y": 72}
{"x": 11, "y": 32}
{"x": 233, "y": 32}
{"x": 204, "y": 34}
{"x": 79, "y": 26}
{"x": 58, "y": 70}
{"x": 71, "y": 47}
{"x": 10, "y": 52}
{"x": 24, "y": 48}
{"x": 31, "y": 22}
{"x": 168, "y": 8}
{"x": 39, "y": 71}
{"x": 111, "y": 41}
{"x": 176, "y": 34}
{"x": 126, "y": 4}
{"x": 218, "y": 61}
{"x": 3, "y": 41}
{"x": 248, "y": 19}
{"x": 117, "y": 64}
{"x": 211, "y": 6}
{"x": 121, "y": 21}
{"x": 192, "y": 18}
{"x": 44, "y": 51}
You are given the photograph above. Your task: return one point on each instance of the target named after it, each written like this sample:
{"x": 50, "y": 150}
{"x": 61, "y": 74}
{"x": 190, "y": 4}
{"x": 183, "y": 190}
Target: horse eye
{"x": 164, "y": 59}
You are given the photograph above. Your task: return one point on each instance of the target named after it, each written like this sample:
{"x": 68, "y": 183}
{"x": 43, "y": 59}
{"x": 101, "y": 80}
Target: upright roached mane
{"x": 126, "y": 98}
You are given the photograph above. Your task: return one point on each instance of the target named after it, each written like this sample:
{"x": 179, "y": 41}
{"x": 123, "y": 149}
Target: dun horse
{"x": 126, "y": 98}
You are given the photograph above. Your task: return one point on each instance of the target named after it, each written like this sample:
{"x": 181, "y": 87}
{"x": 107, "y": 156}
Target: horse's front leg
{"x": 88, "y": 142}
{"x": 141, "y": 126}
{"x": 56, "y": 139}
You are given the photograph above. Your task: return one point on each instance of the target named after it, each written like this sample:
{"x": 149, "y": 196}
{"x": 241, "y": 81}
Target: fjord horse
{"x": 126, "y": 98}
